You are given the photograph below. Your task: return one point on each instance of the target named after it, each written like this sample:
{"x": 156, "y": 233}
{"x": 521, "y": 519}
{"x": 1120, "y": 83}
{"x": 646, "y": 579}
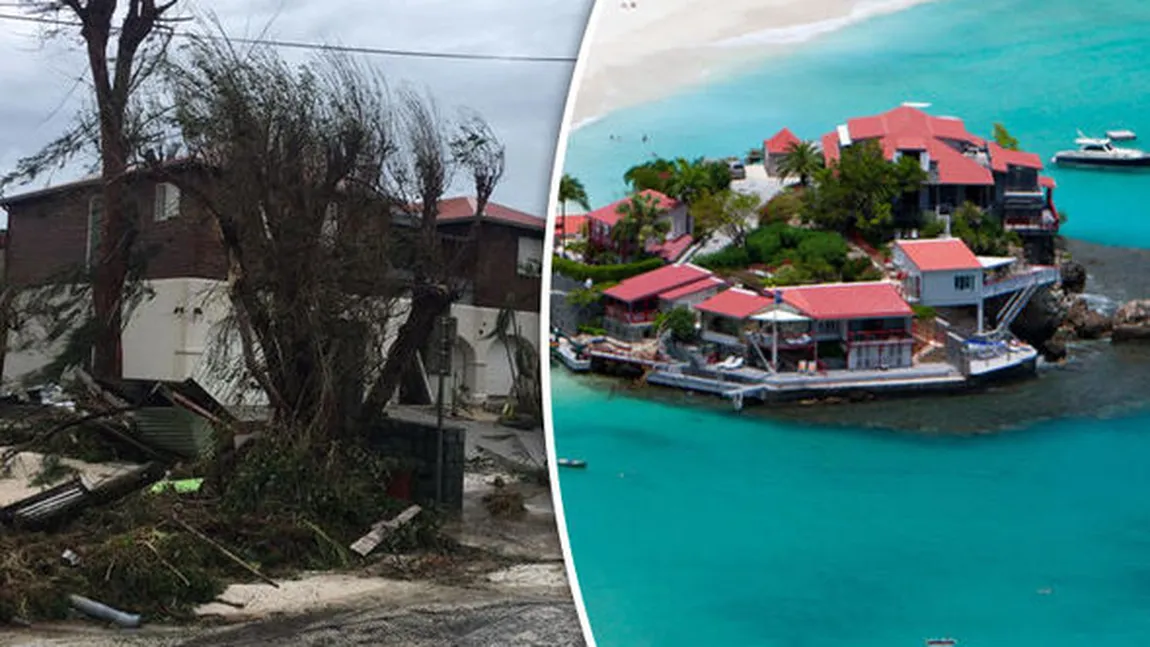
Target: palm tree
{"x": 802, "y": 160}
{"x": 524, "y": 400}
{"x": 570, "y": 190}
{"x": 641, "y": 223}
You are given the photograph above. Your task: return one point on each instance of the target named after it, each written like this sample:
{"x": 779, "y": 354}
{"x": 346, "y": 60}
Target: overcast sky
{"x": 523, "y": 101}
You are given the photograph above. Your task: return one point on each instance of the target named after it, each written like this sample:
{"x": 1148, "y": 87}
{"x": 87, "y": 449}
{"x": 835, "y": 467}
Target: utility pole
{"x": 444, "y": 344}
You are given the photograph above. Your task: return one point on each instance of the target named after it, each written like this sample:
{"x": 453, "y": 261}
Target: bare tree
{"x": 121, "y": 59}
{"x": 325, "y": 189}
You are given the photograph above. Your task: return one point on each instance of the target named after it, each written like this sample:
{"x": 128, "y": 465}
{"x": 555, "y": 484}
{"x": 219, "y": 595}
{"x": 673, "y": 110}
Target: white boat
{"x": 941, "y": 642}
{"x": 573, "y": 358}
{"x": 1101, "y": 153}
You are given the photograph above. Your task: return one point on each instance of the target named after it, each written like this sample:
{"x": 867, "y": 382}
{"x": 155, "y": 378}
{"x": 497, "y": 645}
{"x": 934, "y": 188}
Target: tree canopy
{"x": 858, "y": 192}
{"x": 727, "y": 212}
{"x": 802, "y": 160}
{"x": 680, "y": 179}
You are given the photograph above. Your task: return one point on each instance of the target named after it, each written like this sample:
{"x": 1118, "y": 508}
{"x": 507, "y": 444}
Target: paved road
{"x": 514, "y": 623}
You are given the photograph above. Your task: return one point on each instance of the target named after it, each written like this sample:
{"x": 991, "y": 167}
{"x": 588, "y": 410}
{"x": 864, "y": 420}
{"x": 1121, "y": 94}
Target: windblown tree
{"x": 325, "y": 190}
{"x": 801, "y": 160}
{"x": 570, "y": 190}
{"x": 124, "y": 43}
{"x": 642, "y": 223}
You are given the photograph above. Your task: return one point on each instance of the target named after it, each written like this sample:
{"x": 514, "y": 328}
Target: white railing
{"x": 1016, "y": 282}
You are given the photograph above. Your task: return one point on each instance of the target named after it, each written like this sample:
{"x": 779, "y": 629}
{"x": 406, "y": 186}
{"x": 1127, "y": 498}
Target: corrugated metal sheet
{"x": 48, "y": 504}
{"x": 174, "y": 429}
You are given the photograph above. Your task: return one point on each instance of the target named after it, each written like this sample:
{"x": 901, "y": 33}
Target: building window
{"x": 95, "y": 221}
{"x": 964, "y": 282}
{"x": 530, "y": 257}
{"x": 167, "y": 201}
{"x": 827, "y": 327}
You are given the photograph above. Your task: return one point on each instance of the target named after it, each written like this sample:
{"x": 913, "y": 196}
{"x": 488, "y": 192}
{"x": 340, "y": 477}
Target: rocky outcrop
{"x": 1073, "y": 277}
{"x": 1132, "y": 322}
{"x": 1087, "y": 323}
{"x": 1039, "y": 322}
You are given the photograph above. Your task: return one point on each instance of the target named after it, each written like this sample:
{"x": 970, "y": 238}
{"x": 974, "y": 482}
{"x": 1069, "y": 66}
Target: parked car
{"x": 738, "y": 171}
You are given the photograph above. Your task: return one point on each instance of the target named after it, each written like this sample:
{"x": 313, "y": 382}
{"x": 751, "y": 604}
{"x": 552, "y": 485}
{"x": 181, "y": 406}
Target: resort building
{"x": 945, "y": 273}
{"x": 691, "y": 294}
{"x": 850, "y": 326}
{"x": 961, "y": 167}
{"x": 53, "y": 233}
{"x": 776, "y": 148}
{"x": 601, "y": 224}
{"x": 631, "y": 307}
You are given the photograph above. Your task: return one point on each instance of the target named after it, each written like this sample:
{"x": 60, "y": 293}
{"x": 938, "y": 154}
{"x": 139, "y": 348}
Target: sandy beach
{"x": 644, "y": 50}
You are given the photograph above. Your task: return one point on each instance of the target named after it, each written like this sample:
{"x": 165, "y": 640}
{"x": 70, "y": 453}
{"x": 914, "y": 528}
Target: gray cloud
{"x": 522, "y": 101}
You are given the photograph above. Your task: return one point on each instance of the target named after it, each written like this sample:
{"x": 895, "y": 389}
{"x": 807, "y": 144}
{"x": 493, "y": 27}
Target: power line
{"x": 351, "y": 49}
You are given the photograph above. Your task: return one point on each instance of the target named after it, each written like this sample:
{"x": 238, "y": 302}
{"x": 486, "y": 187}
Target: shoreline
{"x": 1061, "y": 390}
{"x": 650, "y": 52}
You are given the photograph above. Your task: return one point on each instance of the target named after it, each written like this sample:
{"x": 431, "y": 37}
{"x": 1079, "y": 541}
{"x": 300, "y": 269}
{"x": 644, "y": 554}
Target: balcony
{"x": 786, "y": 340}
{"x": 1015, "y": 282}
{"x": 632, "y": 318}
{"x": 722, "y": 339}
{"x": 879, "y": 337}
{"x": 1046, "y": 222}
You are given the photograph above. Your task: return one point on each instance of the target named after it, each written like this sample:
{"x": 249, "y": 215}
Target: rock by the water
{"x": 1086, "y": 322}
{"x": 1073, "y": 276}
{"x": 1132, "y": 322}
{"x": 1038, "y": 322}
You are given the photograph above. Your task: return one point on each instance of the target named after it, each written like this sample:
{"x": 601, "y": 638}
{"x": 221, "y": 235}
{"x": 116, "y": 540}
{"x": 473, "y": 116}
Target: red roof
{"x": 649, "y": 284}
{"x": 781, "y": 141}
{"x": 735, "y": 303}
{"x": 939, "y": 254}
{"x": 575, "y": 225}
{"x": 671, "y": 250}
{"x": 837, "y": 301}
{"x": 462, "y": 208}
{"x": 610, "y": 213}
{"x": 910, "y": 129}
{"x": 1047, "y": 182}
{"x": 905, "y": 120}
{"x": 692, "y": 288}
{"x": 1001, "y": 157}
{"x": 830, "y": 143}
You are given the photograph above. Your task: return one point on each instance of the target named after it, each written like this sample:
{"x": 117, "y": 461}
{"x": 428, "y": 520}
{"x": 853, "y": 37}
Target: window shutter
{"x": 167, "y": 201}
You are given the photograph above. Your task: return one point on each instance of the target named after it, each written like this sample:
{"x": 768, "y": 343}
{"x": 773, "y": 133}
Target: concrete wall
{"x": 170, "y": 335}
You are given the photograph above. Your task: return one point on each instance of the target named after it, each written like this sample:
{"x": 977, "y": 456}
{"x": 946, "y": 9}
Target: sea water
{"x": 864, "y": 525}
{"x": 1045, "y": 69}
{"x": 694, "y": 525}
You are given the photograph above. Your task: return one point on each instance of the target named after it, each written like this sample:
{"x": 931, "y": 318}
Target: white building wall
{"x": 169, "y": 337}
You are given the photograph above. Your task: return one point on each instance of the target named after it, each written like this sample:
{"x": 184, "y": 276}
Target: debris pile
{"x": 134, "y": 503}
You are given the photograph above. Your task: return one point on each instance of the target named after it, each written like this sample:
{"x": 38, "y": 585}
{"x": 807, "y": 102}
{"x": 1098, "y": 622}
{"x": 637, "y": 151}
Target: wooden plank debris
{"x": 367, "y": 543}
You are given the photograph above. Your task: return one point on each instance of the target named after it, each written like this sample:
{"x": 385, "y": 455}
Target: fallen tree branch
{"x": 166, "y": 563}
{"x": 226, "y": 553}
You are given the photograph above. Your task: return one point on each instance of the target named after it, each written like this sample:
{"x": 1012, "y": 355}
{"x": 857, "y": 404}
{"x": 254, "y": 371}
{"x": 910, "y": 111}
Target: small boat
{"x": 571, "y": 462}
{"x": 1122, "y": 135}
{"x": 1100, "y": 153}
{"x": 941, "y": 642}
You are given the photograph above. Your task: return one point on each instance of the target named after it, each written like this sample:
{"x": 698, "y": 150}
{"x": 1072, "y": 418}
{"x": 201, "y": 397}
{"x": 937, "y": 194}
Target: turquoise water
{"x": 696, "y": 526}
{"x": 1045, "y": 68}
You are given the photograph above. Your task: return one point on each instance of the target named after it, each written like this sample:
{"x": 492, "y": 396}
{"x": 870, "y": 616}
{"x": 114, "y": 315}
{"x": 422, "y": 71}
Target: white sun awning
{"x": 994, "y": 262}
{"x": 779, "y": 316}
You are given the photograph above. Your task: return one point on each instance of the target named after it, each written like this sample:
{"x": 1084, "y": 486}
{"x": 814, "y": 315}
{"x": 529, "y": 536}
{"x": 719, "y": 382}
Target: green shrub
{"x": 782, "y": 208}
{"x": 925, "y": 313}
{"x": 603, "y": 273}
{"x": 726, "y": 258}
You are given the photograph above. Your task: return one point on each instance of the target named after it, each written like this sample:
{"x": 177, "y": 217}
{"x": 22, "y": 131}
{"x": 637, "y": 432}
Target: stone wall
{"x": 415, "y": 441}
